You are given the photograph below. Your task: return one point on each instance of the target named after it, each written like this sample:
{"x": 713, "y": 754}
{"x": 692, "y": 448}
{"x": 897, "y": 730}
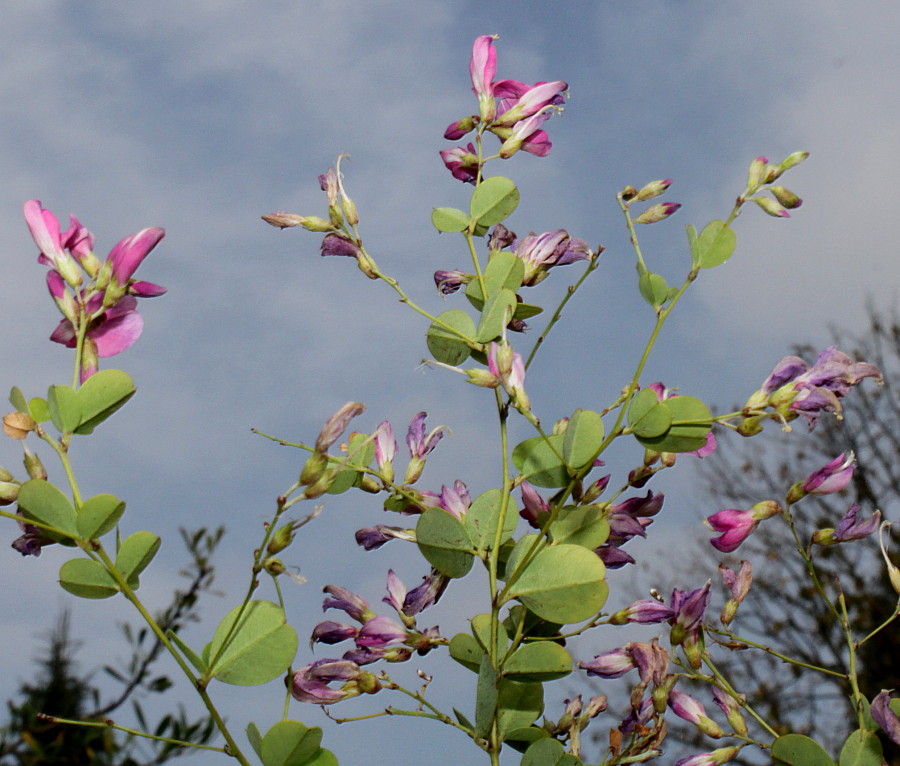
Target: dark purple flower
{"x": 355, "y": 606}
{"x": 885, "y": 717}
{"x": 330, "y": 632}
{"x": 613, "y": 556}
{"x": 645, "y": 612}
{"x": 610, "y": 665}
{"x": 541, "y": 252}
{"x": 310, "y": 683}
{"x": 426, "y": 594}
{"x": 340, "y": 244}
{"x": 851, "y": 527}
{"x": 420, "y": 446}
{"x": 380, "y": 632}
{"x": 371, "y": 538}
{"x": 448, "y": 282}
{"x": 688, "y": 609}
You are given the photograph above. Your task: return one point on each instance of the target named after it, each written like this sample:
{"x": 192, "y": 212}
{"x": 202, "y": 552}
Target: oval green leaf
{"x": 647, "y": 417}
{"x": 544, "y": 752}
{"x": 504, "y": 270}
{"x": 449, "y": 219}
{"x": 582, "y": 437}
{"x": 261, "y": 647}
{"x": 65, "y": 408}
{"x": 290, "y": 743}
{"x": 585, "y": 526}
{"x": 497, "y": 312}
{"x": 254, "y": 738}
{"x": 483, "y": 518}
{"x": 539, "y": 460}
{"x": 494, "y": 200}
{"x": 862, "y": 748}
{"x": 481, "y": 630}
{"x": 87, "y": 578}
{"x": 800, "y": 750}
{"x": 691, "y": 422}
{"x": 526, "y": 310}
{"x": 653, "y": 288}
{"x": 486, "y": 695}
{"x": 101, "y": 395}
{"x": 562, "y": 584}
{"x": 135, "y": 554}
{"x": 444, "y": 542}
{"x": 42, "y": 501}
{"x": 98, "y": 515}
{"x": 518, "y": 705}
{"x": 538, "y": 662}
{"x": 466, "y": 651}
{"x": 714, "y": 246}
{"x": 17, "y": 400}
{"x": 445, "y": 346}
{"x": 39, "y": 409}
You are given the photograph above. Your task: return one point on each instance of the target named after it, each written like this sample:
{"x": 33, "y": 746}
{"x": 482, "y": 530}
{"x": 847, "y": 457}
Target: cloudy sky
{"x": 202, "y": 116}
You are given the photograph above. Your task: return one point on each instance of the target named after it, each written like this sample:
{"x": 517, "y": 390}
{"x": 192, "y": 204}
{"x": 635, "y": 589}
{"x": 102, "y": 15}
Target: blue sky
{"x": 200, "y": 117}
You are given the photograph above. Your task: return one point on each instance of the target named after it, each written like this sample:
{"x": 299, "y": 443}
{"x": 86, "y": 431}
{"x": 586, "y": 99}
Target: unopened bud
{"x": 70, "y": 271}
{"x": 793, "y": 159}
{"x": 370, "y": 484}
{"x": 786, "y": 197}
{"x": 34, "y": 466}
{"x": 628, "y": 193}
{"x": 757, "y": 173}
{"x": 893, "y": 571}
{"x": 17, "y": 425}
{"x": 658, "y": 212}
{"x": 9, "y": 492}
{"x": 6, "y": 475}
{"x": 274, "y": 566}
{"x": 771, "y": 207}
{"x": 653, "y": 189}
{"x": 308, "y": 222}
{"x": 282, "y": 538}
{"x": 314, "y": 468}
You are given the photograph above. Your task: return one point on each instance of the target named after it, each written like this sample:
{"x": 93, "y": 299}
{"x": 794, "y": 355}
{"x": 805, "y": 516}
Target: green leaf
{"x": 192, "y": 657}
{"x": 497, "y": 312}
{"x": 494, "y": 200}
{"x": 582, "y": 437}
{"x": 714, "y": 246}
{"x": 65, "y": 408}
{"x": 135, "y": 554}
{"x": 504, "y": 270}
{"x": 42, "y": 501}
{"x": 486, "y": 697}
{"x": 538, "y": 662}
{"x": 518, "y": 705}
{"x": 800, "y": 750}
{"x": 449, "y": 219}
{"x": 862, "y": 748}
{"x": 691, "y": 231}
{"x": 544, "y": 752}
{"x": 481, "y": 630}
{"x": 483, "y": 518}
{"x": 521, "y": 739}
{"x": 444, "y": 542}
{"x": 87, "y": 578}
{"x": 322, "y": 757}
{"x": 39, "y": 409}
{"x": 466, "y": 651}
{"x": 98, "y": 515}
{"x": 585, "y": 526}
{"x": 261, "y": 647}
{"x": 691, "y": 422}
{"x": 101, "y": 395}
{"x": 290, "y": 743}
{"x": 538, "y": 460}
{"x": 647, "y": 416}
{"x": 254, "y": 737}
{"x": 360, "y": 453}
{"x": 17, "y": 400}
{"x": 523, "y": 545}
{"x": 562, "y": 583}
{"x": 447, "y": 347}
{"x": 653, "y": 288}
{"x": 526, "y": 311}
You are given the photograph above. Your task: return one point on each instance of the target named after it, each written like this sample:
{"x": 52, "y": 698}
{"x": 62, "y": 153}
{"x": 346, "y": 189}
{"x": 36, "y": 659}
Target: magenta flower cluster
{"x": 105, "y": 309}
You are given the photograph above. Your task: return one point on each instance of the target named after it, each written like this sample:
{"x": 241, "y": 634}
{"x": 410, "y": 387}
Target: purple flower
{"x": 448, "y": 282}
{"x": 462, "y": 162}
{"x": 426, "y": 594}
{"x": 688, "y": 610}
{"x": 830, "y": 478}
{"x": 371, "y": 538}
{"x": 128, "y": 254}
{"x": 456, "y": 500}
{"x": 851, "y": 527}
{"x": 645, "y": 612}
{"x": 509, "y": 368}
{"x": 541, "y": 252}
{"x": 337, "y": 424}
{"x": 885, "y": 717}
{"x": 715, "y": 758}
{"x": 534, "y": 507}
{"x": 519, "y": 101}
{"x": 652, "y": 662}
{"x": 610, "y": 665}
{"x": 330, "y": 632}
{"x": 737, "y": 525}
{"x": 310, "y": 683}
{"x": 355, "y": 606}
{"x": 420, "y": 446}
{"x": 380, "y": 632}
{"x": 692, "y": 711}
{"x": 527, "y": 136}
{"x": 808, "y": 391}
{"x": 482, "y": 68}
{"x": 340, "y": 244}
{"x": 385, "y": 449}
{"x": 613, "y": 556}
{"x": 111, "y": 331}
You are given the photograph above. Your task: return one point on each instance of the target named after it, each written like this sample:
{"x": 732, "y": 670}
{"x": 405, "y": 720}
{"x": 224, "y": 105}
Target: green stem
{"x": 126, "y": 590}
{"x": 108, "y": 724}
{"x": 729, "y": 689}
{"x": 768, "y": 650}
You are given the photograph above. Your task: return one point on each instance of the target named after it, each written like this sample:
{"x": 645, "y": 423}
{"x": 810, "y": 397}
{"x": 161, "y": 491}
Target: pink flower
{"x": 830, "y": 478}
{"x": 483, "y": 67}
{"x": 462, "y": 162}
{"x": 735, "y": 525}
{"x": 113, "y": 331}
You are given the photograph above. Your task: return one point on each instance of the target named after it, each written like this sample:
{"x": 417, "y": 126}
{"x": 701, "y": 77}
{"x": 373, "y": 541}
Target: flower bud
{"x": 628, "y": 193}
{"x": 17, "y": 425}
{"x": 274, "y": 566}
{"x": 893, "y": 571}
{"x": 34, "y": 466}
{"x": 314, "y": 468}
{"x": 282, "y": 538}
{"x": 9, "y": 492}
{"x": 757, "y": 173}
{"x": 6, "y": 475}
{"x": 460, "y": 128}
{"x": 786, "y": 197}
{"x": 793, "y": 159}
{"x": 658, "y": 212}
{"x": 308, "y": 222}
{"x": 771, "y": 207}
{"x": 653, "y": 189}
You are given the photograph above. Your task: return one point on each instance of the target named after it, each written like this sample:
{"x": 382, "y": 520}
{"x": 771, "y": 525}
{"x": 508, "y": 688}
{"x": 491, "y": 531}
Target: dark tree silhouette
{"x": 59, "y": 690}
{"x": 782, "y": 609}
